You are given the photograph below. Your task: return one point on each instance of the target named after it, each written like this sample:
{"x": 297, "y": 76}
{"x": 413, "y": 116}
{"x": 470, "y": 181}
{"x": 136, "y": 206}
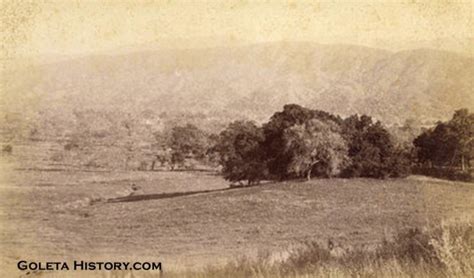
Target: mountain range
{"x": 246, "y": 82}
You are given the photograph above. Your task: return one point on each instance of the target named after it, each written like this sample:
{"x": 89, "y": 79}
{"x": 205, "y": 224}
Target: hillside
{"x": 248, "y": 82}
{"x": 112, "y": 106}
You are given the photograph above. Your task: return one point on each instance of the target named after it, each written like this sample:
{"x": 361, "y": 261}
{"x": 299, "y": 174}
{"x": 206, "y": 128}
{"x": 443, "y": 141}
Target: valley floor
{"x": 65, "y": 215}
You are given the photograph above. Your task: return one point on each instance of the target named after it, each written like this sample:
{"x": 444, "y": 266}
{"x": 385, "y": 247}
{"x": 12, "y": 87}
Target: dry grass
{"x": 62, "y": 215}
{"x": 444, "y": 251}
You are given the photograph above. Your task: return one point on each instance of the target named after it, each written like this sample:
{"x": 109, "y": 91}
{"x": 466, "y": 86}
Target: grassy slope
{"x": 49, "y": 213}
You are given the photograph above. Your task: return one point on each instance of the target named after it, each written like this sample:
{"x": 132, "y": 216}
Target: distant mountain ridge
{"x": 249, "y": 82}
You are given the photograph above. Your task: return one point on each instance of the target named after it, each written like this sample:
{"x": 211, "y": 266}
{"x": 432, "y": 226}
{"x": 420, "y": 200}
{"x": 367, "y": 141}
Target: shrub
{"x": 7, "y": 149}
{"x": 412, "y": 246}
{"x": 454, "y": 247}
{"x": 306, "y": 257}
{"x": 143, "y": 166}
{"x": 71, "y": 146}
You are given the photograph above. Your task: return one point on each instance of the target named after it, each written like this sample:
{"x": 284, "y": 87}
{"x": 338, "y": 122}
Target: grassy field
{"x": 67, "y": 215}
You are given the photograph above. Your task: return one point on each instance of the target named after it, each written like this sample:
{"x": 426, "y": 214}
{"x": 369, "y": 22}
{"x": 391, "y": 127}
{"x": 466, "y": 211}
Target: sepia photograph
{"x": 233, "y": 138}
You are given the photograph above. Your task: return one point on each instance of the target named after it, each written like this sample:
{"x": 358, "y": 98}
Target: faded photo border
{"x": 40, "y": 32}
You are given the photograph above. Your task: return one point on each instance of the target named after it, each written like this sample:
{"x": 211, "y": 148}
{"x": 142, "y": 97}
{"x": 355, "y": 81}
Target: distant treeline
{"x": 303, "y": 143}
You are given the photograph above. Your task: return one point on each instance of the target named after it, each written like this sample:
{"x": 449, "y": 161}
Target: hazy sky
{"x": 81, "y": 27}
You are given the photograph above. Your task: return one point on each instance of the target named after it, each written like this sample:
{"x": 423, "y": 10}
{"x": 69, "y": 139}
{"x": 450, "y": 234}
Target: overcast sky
{"x": 83, "y": 27}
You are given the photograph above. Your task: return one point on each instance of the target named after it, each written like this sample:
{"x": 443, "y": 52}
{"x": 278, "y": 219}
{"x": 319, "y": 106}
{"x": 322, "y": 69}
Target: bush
{"x": 312, "y": 254}
{"x": 412, "y": 246}
{"x": 71, "y": 146}
{"x": 7, "y": 149}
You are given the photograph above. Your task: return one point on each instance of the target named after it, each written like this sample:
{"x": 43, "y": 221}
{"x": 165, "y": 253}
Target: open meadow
{"x": 192, "y": 219}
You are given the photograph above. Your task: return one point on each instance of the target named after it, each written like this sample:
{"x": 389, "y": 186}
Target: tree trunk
{"x": 308, "y": 174}
{"x": 463, "y": 167}
{"x": 153, "y": 165}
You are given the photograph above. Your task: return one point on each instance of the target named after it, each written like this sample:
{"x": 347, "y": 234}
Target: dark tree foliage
{"x": 241, "y": 152}
{"x": 278, "y": 156}
{"x": 436, "y": 146}
{"x": 186, "y": 142}
{"x": 448, "y": 143}
{"x": 316, "y": 147}
{"x": 371, "y": 150}
{"x": 462, "y": 125}
{"x": 401, "y": 161}
{"x": 212, "y": 154}
{"x": 301, "y": 143}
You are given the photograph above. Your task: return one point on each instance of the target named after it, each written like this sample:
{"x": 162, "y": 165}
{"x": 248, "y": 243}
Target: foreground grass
{"x": 444, "y": 251}
{"x": 51, "y": 215}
